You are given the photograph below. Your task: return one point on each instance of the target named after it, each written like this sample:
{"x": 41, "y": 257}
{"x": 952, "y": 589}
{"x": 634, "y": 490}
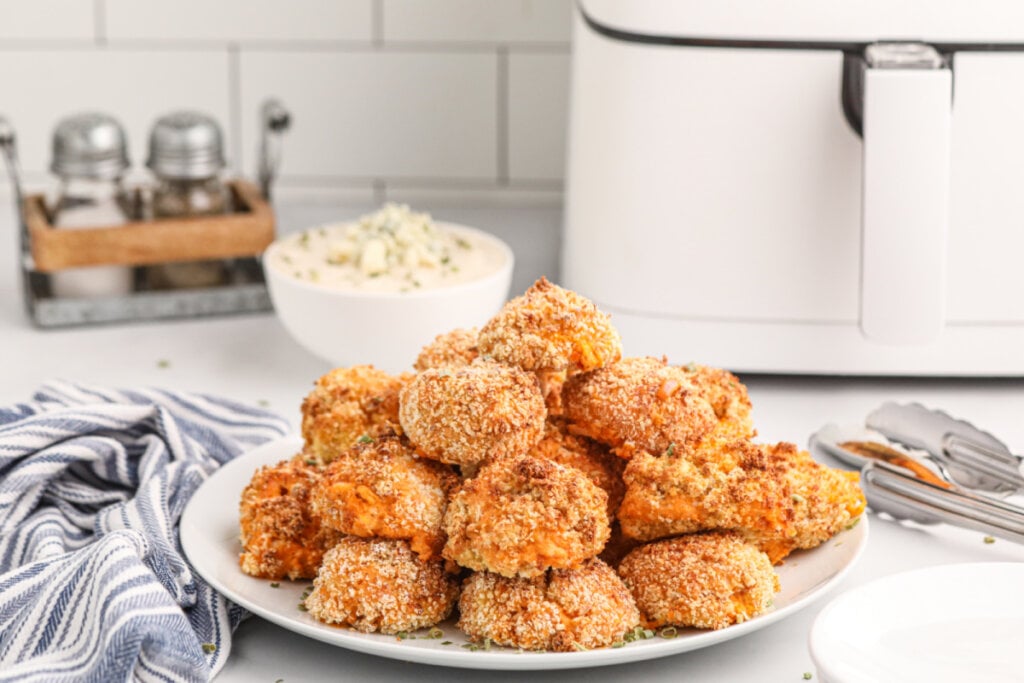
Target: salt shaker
{"x": 90, "y": 156}
{"x": 186, "y": 154}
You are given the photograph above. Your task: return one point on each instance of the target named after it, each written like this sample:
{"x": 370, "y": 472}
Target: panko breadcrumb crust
{"x": 450, "y": 349}
{"x": 728, "y": 398}
{"x": 707, "y": 580}
{"x": 347, "y": 403}
{"x": 550, "y": 328}
{"x": 776, "y": 496}
{"x": 562, "y": 610}
{"x": 374, "y": 584}
{"x": 281, "y": 536}
{"x": 523, "y": 516}
{"x": 637, "y": 404}
{"x": 381, "y": 488}
{"x": 587, "y": 456}
{"x": 468, "y": 415}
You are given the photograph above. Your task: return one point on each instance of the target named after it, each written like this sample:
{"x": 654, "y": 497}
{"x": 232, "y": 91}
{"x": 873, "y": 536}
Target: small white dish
{"x": 209, "y": 536}
{"x": 947, "y": 624}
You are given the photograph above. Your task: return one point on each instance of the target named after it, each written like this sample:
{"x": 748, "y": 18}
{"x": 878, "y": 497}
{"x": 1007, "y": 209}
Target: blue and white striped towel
{"x": 93, "y": 582}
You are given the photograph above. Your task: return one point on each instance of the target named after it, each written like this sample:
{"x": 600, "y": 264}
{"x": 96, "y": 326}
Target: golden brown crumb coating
{"x": 347, "y": 403}
{"x": 563, "y": 610}
{"x": 281, "y": 536}
{"x": 380, "y": 487}
{"x": 776, "y": 496}
{"x": 471, "y": 414}
{"x": 637, "y": 404}
{"x": 728, "y": 398}
{"x": 376, "y": 584}
{"x": 587, "y": 456}
{"x": 550, "y": 328}
{"x": 709, "y": 580}
{"x": 523, "y": 516}
{"x": 450, "y": 349}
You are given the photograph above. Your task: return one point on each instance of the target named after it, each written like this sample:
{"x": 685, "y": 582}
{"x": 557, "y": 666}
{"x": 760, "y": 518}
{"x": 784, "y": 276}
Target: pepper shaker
{"x": 186, "y": 154}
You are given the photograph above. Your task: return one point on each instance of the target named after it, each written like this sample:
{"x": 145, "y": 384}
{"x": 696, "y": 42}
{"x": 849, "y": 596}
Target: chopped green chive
{"x": 365, "y": 438}
{"x": 807, "y": 676}
{"x": 275, "y": 584}
{"x": 446, "y": 642}
{"x": 989, "y": 539}
{"x": 435, "y": 633}
{"x": 668, "y": 632}
{"x": 163, "y": 363}
{"x": 209, "y": 648}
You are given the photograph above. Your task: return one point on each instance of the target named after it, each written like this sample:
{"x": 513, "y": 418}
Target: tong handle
{"x": 882, "y": 482}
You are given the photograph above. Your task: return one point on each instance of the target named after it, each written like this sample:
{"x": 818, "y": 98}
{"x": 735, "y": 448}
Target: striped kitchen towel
{"x": 93, "y": 582}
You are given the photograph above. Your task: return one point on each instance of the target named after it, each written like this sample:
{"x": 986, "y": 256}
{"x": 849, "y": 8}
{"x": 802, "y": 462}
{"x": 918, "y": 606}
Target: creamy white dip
{"x": 392, "y": 250}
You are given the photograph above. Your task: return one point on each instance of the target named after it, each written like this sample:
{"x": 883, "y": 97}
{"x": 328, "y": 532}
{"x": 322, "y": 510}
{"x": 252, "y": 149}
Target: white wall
{"x": 429, "y": 101}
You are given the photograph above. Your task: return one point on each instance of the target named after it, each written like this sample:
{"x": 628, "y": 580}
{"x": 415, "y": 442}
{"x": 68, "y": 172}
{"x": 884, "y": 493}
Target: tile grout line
{"x": 502, "y": 114}
{"x": 99, "y": 17}
{"x": 235, "y": 104}
{"x": 377, "y": 23}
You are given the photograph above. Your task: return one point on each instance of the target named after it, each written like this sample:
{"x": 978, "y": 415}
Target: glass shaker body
{"x": 186, "y": 158}
{"x": 91, "y": 203}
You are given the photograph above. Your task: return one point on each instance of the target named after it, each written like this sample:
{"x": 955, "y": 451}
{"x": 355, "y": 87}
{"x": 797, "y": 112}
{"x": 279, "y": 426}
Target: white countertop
{"x": 251, "y": 358}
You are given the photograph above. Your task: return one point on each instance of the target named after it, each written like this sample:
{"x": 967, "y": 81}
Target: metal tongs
{"x": 926, "y": 466}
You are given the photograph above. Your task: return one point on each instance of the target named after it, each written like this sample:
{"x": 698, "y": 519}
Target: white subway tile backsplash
{"x": 239, "y": 20}
{"x": 456, "y": 103}
{"x": 41, "y": 86}
{"x": 495, "y": 21}
{"x": 377, "y": 114}
{"x": 47, "y": 20}
{"x": 483, "y": 197}
{"x": 538, "y": 99}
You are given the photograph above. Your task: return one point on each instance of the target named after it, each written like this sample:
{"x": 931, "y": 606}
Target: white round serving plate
{"x": 209, "y": 535}
{"x": 945, "y": 624}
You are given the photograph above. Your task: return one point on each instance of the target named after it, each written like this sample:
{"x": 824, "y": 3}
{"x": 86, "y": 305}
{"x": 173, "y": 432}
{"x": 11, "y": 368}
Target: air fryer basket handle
{"x": 907, "y": 112}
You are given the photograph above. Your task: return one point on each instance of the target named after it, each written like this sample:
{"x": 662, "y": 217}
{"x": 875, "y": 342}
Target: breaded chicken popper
{"x": 282, "y": 538}
{"x": 551, "y": 329}
{"x": 709, "y": 580}
{"x": 523, "y": 516}
{"x": 376, "y": 584}
{"x": 775, "y": 496}
{"x": 563, "y": 610}
{"x": 380, "y": 488}
{"x": 637, "y": 404}
{"x": 467, "y": 415}
{"x": 348, "y": 403}
{"x": 450, "y": 349}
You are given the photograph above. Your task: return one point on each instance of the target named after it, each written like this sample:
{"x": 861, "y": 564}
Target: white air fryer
{"x": 802, "y": 185}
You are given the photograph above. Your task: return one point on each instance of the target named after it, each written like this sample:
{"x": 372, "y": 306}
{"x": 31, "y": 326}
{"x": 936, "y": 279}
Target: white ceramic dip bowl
{"x": 346, "y": 325}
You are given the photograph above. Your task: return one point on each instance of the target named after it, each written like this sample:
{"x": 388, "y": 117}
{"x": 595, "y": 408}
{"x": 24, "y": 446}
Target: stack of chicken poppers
{"x": 557, "y": 494}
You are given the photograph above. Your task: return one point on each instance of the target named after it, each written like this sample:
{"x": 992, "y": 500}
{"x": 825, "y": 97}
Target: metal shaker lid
{"x": 185, "y": 145}
{"x": 89, "y": 145}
